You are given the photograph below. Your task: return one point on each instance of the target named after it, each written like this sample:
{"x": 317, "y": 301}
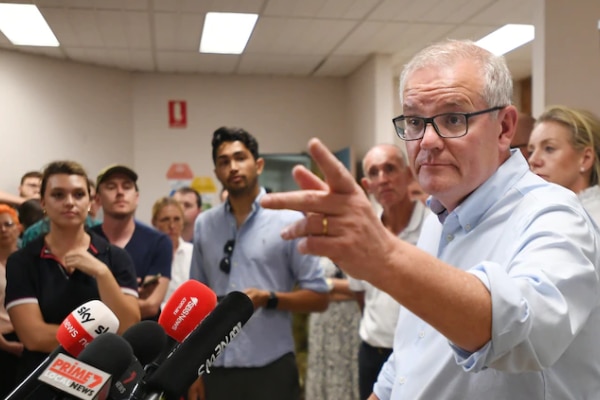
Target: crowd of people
{"x": 477, "y": 278}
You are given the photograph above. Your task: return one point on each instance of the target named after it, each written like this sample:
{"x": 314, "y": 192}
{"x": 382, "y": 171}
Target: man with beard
{"x": 237, "y": 246}
{"x": 387, "y": 178}
{"x": 151, "y": 251}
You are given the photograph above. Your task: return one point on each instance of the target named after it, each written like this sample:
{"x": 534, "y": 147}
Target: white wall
{"x": 54, "y": 110}
{"x": 282, "y": 113}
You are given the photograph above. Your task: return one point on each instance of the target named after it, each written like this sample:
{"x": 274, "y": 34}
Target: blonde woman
{"x": 168, "y": 217}
{"x": 564, "y": 149}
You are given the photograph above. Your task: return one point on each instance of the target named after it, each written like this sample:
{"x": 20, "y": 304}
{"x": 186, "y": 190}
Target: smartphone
{"x": 152, "y": 280}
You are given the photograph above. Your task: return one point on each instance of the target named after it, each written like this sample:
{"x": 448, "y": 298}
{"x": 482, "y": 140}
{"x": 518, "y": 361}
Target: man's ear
{"x": 260, "y": 165}
{"x": 97, "y": 199}
{"x": 508, "y": 124}
{"x": 364, "y": 182}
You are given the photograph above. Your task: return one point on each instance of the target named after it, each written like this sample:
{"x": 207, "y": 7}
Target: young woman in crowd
{"x": 68, "y": 266}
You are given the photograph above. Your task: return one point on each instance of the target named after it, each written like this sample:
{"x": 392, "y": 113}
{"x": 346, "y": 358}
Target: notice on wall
{"x": 177, "y": 114}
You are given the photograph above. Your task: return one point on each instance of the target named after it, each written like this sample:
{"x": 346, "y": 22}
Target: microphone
{"x": 147, "y": 339}
{"x": 89, "y": 376}
{"x": 187, "y": 306}
{"x": 198, "y": 351}
{"x": 75, "y": 332}
{"x": 184, "y": 310}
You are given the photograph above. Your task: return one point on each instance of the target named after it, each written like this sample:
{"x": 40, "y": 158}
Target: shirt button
{"x": 422, "y": 334}
{"x": 402, "y": 380}
{"x": 449, "y": 237}
{"x": 468, "y": 227}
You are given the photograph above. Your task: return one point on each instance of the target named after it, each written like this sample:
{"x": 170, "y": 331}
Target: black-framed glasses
{"x": 447, "y": 125}
{"x": 225, "y": 264}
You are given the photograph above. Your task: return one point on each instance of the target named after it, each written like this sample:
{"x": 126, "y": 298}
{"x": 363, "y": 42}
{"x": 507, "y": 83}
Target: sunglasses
{"x": 225, "y": 264}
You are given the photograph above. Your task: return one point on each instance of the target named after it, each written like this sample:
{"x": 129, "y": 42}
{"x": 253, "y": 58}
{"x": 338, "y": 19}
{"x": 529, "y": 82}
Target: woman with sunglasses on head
{"x": 168, "y": 217}
{"x": 564, "y": 149}
{"x": 10, "y": 347}
{"x": 68, "y": 266}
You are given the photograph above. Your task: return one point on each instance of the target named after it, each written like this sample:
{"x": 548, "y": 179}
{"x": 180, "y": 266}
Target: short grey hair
{"x": 498, "y": 85}
{"x": 398, "y": 150}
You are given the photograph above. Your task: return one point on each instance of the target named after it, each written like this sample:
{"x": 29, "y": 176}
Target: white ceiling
{"x": 291, "y": 38}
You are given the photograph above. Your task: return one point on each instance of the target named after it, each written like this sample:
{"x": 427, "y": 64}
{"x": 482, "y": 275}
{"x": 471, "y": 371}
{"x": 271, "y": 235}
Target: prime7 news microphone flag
{"x": 89, "y": 376}
{"x": 75, "y": 332}
{"x": 198, "y": 351}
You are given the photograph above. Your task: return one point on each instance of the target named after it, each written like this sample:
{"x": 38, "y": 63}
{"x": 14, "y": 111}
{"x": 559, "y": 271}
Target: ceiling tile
{"x": 297, "y": 36}
{"x": 293, "y": 65}
{"x": 339, "y": 66}
{"x": 175, "y": 31}
{"x": 196, "y": 6}
{"x": 172, "y": 61}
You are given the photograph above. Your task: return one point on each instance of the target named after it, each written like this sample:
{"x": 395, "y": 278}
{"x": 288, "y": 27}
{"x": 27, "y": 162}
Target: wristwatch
{"x": 272, "y": 301}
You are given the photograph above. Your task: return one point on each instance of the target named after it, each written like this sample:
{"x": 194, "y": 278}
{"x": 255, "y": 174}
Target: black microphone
{"x": 196, "y": 354}
{"x": 75, "y": 332}
{"x": 147, "y": 339}
{"x": 188, "y": 305}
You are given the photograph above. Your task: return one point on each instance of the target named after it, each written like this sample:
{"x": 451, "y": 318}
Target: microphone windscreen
{"x": 199, "y": 350}
{"x": 147, "y": 339}
{"x": 109, "y": 353}
{"x": 186, "y": 307}
{"x": 84, "y": 324}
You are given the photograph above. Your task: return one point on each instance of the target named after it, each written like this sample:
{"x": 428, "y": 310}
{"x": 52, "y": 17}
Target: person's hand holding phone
{"x": 147, "y": 285}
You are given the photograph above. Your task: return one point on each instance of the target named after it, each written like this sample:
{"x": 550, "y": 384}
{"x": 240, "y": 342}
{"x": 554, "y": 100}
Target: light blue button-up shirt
{"x": 260, "y": 259}
{"x": 535, "y": 248}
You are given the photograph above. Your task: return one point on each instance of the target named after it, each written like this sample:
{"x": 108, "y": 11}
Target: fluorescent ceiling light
{"x": 507, "y": 38}
{"x": 226, "y": 33}
{"x": 24, "y": 25}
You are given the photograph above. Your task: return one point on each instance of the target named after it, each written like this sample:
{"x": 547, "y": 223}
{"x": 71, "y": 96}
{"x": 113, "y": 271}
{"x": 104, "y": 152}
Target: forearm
{"x": 150, "y": 305}
{"x": 33, "y": 332}
{"x": 10, "y": 198}
{"x": 453, "y": 301}
{"x": 302, "y": 301}
{"x": 124, "y": 306}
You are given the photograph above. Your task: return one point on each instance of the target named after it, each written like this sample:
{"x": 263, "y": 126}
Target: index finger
{"x": 337, "y": 176}
{"x": 316, "y": 196}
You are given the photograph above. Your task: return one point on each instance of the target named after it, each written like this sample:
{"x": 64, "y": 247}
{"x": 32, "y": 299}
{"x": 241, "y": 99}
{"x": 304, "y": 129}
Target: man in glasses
{"x": 387, "y": 178}
{"x": 237, "y": 246}
{"x": 500, "y": 296}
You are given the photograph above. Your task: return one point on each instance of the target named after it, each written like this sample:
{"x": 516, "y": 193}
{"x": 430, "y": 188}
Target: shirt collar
{"x": 255, "y": 204}
{"x": 470, "y": 211}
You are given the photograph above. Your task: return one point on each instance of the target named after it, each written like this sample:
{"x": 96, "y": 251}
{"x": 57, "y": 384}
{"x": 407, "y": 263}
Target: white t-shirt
{"x": 180, "y": 268}
{"x": 381, "y": 310}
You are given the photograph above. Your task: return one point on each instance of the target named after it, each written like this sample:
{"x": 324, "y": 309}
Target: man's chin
{"x": 120, "y": 215}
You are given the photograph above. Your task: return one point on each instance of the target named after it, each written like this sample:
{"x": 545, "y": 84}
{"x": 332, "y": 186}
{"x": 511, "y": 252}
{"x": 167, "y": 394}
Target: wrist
{"x": 330, "y": 284}
{"x": 272, "y": 301}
